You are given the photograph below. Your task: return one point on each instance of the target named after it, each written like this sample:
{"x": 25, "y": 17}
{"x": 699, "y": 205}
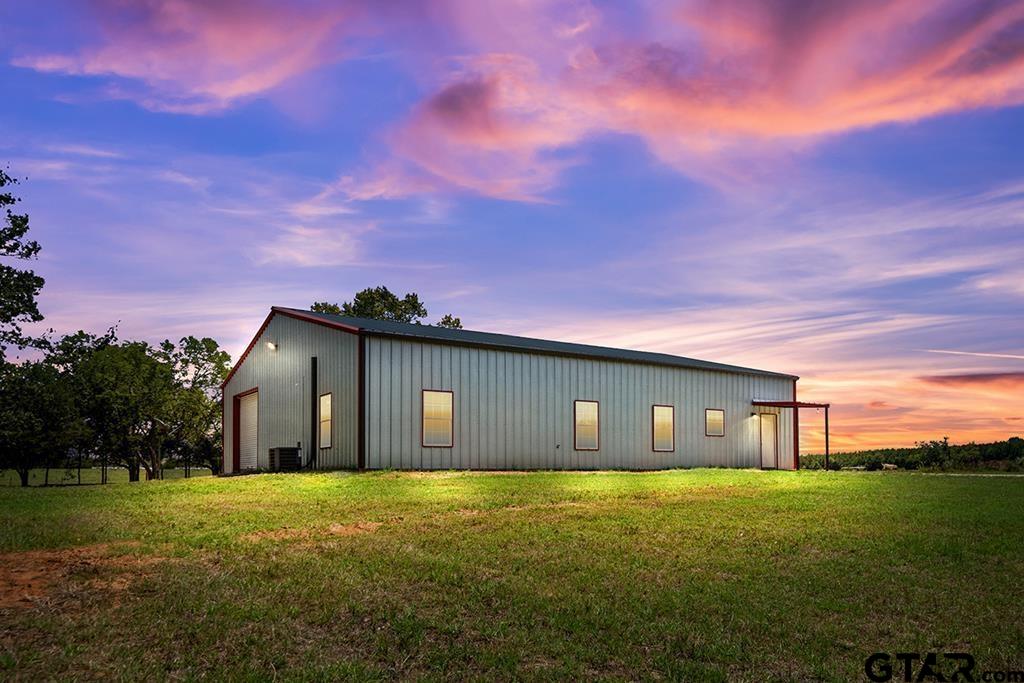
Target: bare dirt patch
{"x": 282, "y": 534}
{"x": 30, "y": 576}
{"x": 528, "y": 507}
{"x": 353, "y": 529}
{"x": 292, "y": 534}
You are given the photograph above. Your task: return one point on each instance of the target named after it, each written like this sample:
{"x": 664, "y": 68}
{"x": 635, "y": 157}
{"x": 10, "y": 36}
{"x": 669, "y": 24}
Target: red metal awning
{"x": 796, "y": 405}
{"x": 789, "y": 404}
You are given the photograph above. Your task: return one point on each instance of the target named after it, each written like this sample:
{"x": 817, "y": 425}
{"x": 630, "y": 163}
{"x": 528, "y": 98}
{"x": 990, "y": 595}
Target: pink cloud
{"x": 490, "y": 130}
{"x": 201, "y": 57}
{"x": 771, "y": 70}
{"x": 714, "y": 88}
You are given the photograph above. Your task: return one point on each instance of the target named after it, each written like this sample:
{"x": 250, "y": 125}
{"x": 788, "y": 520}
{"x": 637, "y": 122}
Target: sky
{"x": 830, "y": 189}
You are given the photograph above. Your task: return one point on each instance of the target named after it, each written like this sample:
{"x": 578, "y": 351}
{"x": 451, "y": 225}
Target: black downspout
{"x": 361, "y": 405}
{"x": 314, "y": 403}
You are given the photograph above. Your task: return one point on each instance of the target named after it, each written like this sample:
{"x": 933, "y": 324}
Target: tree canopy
{"x": 39, "y": 422}
{"x": 380, "y": 303}
{"x": 19, "y": 287}
{"x": 123, "y": 403}
{"x": 198, "y": 366}
{"x": 450, "y": 321}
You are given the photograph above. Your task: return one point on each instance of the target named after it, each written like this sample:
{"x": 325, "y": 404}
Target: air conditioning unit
{"x": 285, "y": 459}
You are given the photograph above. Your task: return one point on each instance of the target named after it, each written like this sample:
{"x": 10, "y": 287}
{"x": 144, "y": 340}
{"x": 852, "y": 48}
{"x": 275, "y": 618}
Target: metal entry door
{"x": 248, "y": 428}
{"x": 769, "y": 440}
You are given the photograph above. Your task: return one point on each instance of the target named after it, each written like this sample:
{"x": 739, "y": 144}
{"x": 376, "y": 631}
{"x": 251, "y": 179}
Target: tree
{"x": 199, "y": 366}
{"x": 18, "y": 287}
{"x": 128, "y": 395}
{"x": 380, "y": 303}
{"x": 71, "y": 350}
{"x": 38, "y": 420}
{"x": 141, "y": 404}
{"x": 67, "y": 355}
{"x": 325, "y": 307}
{"x": 450, "y": 321}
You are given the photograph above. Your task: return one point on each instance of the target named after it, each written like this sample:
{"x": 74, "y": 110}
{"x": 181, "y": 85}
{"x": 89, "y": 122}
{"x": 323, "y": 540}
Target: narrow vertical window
{"x": 437, "y": 419}
{"x": 664, "y": 421}
{"x": 587, "y": 425}
{"x": 714, "y": 422}
{"x": 325, "y": 421}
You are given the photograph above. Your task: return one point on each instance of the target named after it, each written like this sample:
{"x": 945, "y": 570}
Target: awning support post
{"x": 826, "y": 439}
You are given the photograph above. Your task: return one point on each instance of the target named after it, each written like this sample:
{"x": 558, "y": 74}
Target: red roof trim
{"x": 298, "y": 315}
{"x": 301, "y": 315}
{"x": 790, "y": 404}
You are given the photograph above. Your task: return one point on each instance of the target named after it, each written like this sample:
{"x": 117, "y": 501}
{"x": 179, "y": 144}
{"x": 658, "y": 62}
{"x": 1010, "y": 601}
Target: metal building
{"x": 356, "y": 393}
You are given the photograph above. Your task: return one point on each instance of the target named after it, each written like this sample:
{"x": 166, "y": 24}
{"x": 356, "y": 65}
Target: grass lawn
{"x": 704, "y": 574}
{"x": 90, "y": 475}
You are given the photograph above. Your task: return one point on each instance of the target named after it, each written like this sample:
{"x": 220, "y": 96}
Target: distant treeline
{"x": 934, "y": 455}
{"x": 96, "y": 400}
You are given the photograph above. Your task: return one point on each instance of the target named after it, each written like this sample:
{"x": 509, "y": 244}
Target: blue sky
{"x": 837, "y": 195}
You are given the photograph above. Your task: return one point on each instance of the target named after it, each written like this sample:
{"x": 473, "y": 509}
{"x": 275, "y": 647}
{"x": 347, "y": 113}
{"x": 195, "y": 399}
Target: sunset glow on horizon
{"x": 835, "y": 192}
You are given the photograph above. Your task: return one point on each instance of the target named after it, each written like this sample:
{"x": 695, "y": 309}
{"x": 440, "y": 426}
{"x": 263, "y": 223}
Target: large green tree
{"x": 39, "y": 422}
{"x": 67, "y": 355}
{"x": 128, "y": 402}
{"x": 142, "y": 405}
{"x": 380, "y": 303}
{"x": 19, "y": 287}
{"x": 199, "y": 366}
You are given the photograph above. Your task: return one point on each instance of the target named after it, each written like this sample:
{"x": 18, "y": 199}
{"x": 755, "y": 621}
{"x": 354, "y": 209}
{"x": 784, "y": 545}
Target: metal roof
{"x": 388, "y": 328}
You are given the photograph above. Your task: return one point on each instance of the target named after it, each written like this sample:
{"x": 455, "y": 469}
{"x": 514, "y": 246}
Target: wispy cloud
{"x": 83, "y": 150}
{"x": 1010, "y": 281}
{"x": 1007, "y": 381}
{"x": 976, "y": 354}
{"x": 179, "y": 178}
{"x": 310, "y": 247}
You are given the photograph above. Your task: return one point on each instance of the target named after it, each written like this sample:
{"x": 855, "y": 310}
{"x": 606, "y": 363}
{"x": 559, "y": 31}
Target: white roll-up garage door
{"x": 248, "y": 415}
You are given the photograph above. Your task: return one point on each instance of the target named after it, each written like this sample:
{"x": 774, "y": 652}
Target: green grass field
{"x": 697, "y": 575}
{"x": 90, "y": 475}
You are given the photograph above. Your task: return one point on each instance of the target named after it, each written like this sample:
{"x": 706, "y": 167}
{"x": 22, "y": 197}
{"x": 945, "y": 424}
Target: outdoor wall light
{"x": 272, "y": 346}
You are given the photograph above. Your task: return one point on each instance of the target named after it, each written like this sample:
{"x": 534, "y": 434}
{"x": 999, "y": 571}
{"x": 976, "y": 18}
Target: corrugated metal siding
{"x": 514, "y": 410}
{"x": 283, "y": 379}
